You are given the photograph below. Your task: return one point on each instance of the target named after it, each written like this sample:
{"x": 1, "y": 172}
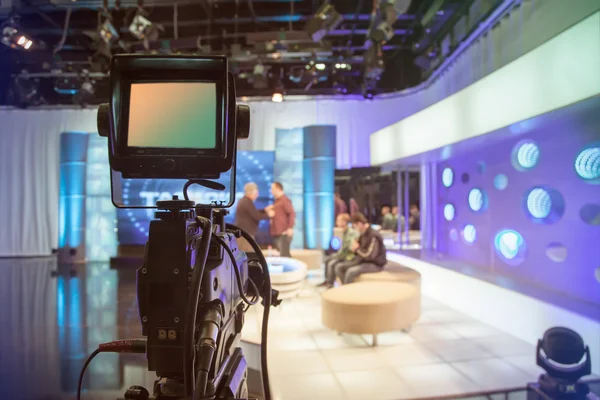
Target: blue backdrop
{"x": 527, "y": 208}
{"x": 252, "y": 166}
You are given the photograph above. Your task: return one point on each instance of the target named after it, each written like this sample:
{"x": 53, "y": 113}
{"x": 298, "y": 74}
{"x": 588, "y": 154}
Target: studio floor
{"x": 446, "y": 353}
{"x": 55, "y": 318}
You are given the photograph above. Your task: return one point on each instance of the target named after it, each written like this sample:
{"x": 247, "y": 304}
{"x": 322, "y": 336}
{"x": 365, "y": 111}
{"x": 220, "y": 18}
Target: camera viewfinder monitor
{"x": 169, "y": 117}
{"x": 172, "y": 115}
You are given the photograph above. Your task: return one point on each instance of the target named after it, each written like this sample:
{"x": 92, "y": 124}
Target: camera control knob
{"x": 169, "y": 164}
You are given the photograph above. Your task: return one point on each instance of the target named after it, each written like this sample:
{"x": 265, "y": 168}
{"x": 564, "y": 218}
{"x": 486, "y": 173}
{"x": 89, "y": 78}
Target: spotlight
{"x": 14, "y": 38}
{"x": 107, "y": 31}
{"x": 325, "y": 20}
{"x": 277, "y": 97}
{"x": 320, "y": 66}
{"x": 142, "y": 28}
{"x": 566, "y": 359}
{"x": 381, "y": 29}
{"x": 374, "y": 64}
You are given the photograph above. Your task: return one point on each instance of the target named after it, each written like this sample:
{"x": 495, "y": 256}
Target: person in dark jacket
{"x": 247, "y": 217}
{"x": 369, "y": 249}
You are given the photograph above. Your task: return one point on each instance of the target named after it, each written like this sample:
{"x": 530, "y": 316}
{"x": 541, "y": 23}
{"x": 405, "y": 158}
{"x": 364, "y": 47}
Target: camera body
{"x": 176, "y": 117}
{"x": 164, "y": 286}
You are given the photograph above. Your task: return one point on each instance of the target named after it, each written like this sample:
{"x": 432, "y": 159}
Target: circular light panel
{"x": 590, "y": 214}
{"x": 544, "y": 205}
{"x": 557, "y": 252}
{"x": 336, "y": 243}
{"x": 447, "y": 177}
{"x": 469, "y": 234}
{"x": 510, "y": 246}
{"x": 477, "y": 200}
{"x": 453, "y": 235}
{"x": 539, "y": 203}
{"x": 587, "y": 164}
{"x": 500, "y": 181}
{"x": 525, "y": 155}
{"x": 449, "y": 212}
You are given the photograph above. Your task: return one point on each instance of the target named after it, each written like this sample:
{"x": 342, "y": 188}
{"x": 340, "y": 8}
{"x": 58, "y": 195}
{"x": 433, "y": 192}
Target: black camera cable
{"x": 117, "y": 346}
{"x": 192, "y": 305}
{"x": 267, "y": 308}
{"x": 236, "y": 270}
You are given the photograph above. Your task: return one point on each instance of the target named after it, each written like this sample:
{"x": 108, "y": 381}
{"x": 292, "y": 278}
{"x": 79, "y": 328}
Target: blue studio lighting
{"x": 526, "y": 155}
{"x": 447, "y": 177}
{"x": 587, "y": 163}
{"x": 469, "y": 233}
{"x": 539, "y": 203}
{"x": 509, "y": 245}
{"x": 449, "y": 212}
{"x": 477, "y": 200}
{"x": 336, "y": 243}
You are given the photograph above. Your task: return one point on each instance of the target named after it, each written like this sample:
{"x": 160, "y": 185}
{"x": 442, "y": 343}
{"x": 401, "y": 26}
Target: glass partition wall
{"x": 408, "y": 211}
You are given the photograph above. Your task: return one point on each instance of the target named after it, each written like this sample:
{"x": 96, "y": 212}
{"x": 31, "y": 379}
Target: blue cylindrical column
{"x": 319, "y": 185}
{"x": 73, "y": 157}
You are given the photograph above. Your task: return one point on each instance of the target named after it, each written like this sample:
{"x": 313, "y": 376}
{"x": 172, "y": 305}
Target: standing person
{"x": 283, "y": 220}
{"x": 340, "y": 206}
{"x": 247, "y": 217}
{"x": 369, "y": 248}
{"x": 414, "y": 219}
{"x": 345, "y": 252}
{"x": 387, "y": 219}
{"x": 398, "y": 219}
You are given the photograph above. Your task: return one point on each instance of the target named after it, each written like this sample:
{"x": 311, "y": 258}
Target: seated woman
{"x": 344, "y": 254}
{"x": 370, "y": 252}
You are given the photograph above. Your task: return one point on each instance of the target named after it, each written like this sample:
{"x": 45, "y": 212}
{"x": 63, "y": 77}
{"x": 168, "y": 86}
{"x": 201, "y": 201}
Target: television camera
{"x": 176, "y": 117}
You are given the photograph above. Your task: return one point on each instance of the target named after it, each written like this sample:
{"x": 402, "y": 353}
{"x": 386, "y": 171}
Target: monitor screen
{"x": 180, "y": 115}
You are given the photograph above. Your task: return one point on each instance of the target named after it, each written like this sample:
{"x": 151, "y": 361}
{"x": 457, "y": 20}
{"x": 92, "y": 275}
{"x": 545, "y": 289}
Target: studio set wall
{"x": 526, "y": 209}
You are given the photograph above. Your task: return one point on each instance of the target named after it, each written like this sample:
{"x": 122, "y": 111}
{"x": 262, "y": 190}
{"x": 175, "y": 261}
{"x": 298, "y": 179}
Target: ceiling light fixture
{"x": 14, "y": 38}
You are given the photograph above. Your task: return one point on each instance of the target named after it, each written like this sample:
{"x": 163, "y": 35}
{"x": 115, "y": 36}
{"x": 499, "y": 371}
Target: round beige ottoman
{"x": 312, "y": 258}
{"x": 371, "y": 307}
{"x": 395, "y": 273}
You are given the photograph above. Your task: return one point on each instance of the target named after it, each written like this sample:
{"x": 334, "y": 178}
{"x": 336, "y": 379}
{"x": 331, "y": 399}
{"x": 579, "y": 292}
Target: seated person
{"x": 369, "y": 249}
{"x": 344, "y": 253}
{"x": 388, "y": 222}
